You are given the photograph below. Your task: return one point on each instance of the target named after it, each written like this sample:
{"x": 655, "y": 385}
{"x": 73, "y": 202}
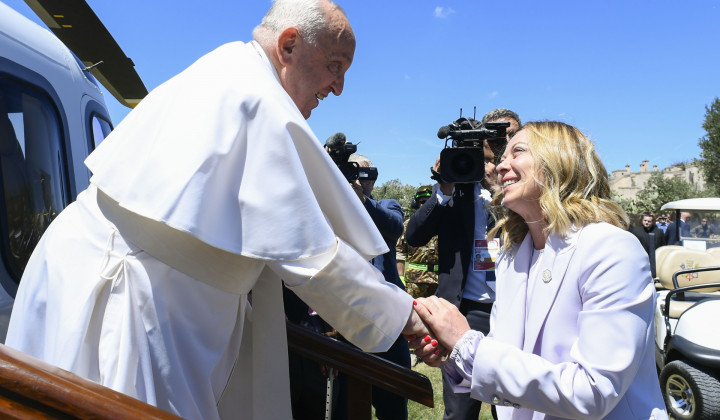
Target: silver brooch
{"x": 547, "y": 275}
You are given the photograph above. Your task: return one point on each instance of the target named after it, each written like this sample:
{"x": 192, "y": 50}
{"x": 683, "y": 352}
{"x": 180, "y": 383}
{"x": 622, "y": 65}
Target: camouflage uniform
{"x": 421, "y": 266}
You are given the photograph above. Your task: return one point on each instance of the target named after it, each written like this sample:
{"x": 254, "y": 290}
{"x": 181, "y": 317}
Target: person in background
{"x": 418, "y": 266}
{"x": 387, "y": 215}
{"x": 142, "y": 284}
{"x": 650, "y": 236}
{"x": 554, "y": 350}
{"x": 662, "y": 223}
{"x": 498, "y": 147}
{"x": 703, "y": 230}
{"x": 678, "y": 231}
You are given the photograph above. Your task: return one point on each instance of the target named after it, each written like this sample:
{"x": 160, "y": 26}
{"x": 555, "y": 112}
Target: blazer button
{"x": 495, "y": 400}
{"x": 507, "y": 403}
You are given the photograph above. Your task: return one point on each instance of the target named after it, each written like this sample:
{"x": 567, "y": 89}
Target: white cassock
{"x": 213, "y": 187}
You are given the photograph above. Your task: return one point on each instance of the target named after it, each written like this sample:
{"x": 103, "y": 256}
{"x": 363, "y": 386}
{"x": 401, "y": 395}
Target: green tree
{"x": 631, "y": 206}
{"x": 658, "y": 191}
{"x": 403, "y": 193}
{"x": 710, "y": 145}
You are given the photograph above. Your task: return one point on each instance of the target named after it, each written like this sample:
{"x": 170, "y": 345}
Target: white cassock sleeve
{"x": 351, "y": 294}
{"x": 344, "y": 288}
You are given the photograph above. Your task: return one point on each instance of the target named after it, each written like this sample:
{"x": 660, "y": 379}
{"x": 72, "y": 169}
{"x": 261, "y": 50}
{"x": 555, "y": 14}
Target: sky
{"x": 634, "y": 75}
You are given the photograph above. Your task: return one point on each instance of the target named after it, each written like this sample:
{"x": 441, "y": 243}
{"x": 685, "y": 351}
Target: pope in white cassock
{"x": 212, "y": 188}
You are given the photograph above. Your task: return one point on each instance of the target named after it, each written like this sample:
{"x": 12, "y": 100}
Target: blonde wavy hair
{"x": 576, "y": 190}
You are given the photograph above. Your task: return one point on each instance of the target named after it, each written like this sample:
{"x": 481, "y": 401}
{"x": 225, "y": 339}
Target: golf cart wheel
{"x": 691, "y": 392}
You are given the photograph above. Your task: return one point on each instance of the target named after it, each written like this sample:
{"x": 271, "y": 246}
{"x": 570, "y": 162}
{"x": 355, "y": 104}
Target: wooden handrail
{"x": 33, "y": 389}
{"x": 362, "y": 369}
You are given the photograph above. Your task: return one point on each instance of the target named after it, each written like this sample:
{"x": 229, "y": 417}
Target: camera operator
{"x": 458, "y": 214}
{"x": 498, "y": 115}
{"x": 386, "y": 213}
{"x": 388, "y": 217}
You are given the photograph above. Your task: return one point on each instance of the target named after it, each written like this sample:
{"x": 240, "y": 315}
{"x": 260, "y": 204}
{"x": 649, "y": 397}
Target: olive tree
{"x": 403, "y": 193}
{"x": 710, "y": 145}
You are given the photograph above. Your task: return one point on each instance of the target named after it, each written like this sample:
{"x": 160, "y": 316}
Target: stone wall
{"x": 626, "y": 183}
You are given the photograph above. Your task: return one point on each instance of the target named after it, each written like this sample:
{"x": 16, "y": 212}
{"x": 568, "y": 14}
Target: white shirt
{"x": 476, "y": 288}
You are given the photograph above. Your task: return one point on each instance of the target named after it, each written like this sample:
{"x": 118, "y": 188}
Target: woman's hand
{"x": 444, "y": 319}
{"x": 429, "y": 350}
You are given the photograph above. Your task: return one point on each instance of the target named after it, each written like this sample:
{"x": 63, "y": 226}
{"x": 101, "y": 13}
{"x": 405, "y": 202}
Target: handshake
{"x": 433, "y": 329}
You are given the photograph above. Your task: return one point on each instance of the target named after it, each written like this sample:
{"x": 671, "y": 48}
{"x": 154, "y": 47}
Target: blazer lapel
{"x": 556, "y": 258}
{"x": 512, "y": 270}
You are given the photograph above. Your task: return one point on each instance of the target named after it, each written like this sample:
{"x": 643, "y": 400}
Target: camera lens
{"x": 463, "y": 164}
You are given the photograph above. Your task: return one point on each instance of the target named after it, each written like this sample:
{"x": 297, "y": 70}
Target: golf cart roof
{"x": 710, "y": 203}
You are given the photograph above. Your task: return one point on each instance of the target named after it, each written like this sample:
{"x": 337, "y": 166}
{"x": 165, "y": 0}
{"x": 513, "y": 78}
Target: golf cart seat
{"x": 675, "y": 258}
{"x": 661, "y": 256}
{"x": 715, "y": 251}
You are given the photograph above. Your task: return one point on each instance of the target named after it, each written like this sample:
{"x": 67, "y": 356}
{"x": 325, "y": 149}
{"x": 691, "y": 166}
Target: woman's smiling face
{"x": 517, "y": 178}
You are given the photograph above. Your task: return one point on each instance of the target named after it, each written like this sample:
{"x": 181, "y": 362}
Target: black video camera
{"x": 464, "y": 160}
{"x": 367, "y": 173}
{"x": 340, "y": 150}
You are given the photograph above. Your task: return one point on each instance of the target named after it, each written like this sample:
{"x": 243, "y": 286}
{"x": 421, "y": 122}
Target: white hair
{"x": 357, "y": 157}
{"x": 308, "y": 16}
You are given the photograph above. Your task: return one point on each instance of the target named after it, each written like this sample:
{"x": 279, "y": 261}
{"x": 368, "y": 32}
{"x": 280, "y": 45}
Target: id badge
{"x": 485, "y": 253}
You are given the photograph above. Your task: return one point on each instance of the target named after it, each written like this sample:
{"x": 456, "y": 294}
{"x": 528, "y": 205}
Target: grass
{"x": 420, "y": 412}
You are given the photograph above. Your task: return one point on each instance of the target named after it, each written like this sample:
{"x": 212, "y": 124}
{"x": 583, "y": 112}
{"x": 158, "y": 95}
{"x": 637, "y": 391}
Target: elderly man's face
{"x": 367, "y": 184}
{"x": 316, "y": 71}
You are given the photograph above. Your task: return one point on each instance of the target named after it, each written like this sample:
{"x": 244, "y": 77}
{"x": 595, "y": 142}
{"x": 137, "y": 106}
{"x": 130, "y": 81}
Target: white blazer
{"x": 583, "y": 348}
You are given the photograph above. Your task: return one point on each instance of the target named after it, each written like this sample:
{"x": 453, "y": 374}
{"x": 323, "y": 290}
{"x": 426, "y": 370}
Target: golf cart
{"x": 687, "y": 336}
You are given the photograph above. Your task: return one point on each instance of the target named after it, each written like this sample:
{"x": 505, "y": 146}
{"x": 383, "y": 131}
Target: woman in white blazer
{"x": 572, "y": 327}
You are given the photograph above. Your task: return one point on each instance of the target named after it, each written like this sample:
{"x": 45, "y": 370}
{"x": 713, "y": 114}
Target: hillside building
{"x": 626, "y": 183}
